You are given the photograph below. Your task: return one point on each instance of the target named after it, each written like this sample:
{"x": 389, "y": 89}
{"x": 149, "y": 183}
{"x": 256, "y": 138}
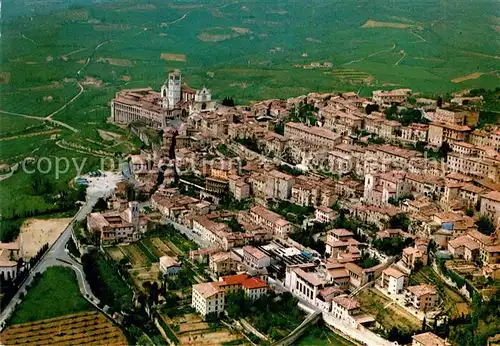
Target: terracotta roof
{"x": 346, "y": 302}
{"x": 312, "y": 279}
{"x": 253, "y": 283}
{"x": 429, "y": 339}
{"x": 354, "y": 268}
{"x": 168, "y": 261}
{"x": 341, "y": 232}
{"x": 393, "y": 272}
{"x": 232, "y": 279}
{"x": 255, "y": 252}
{"x": 493, "y": 195}
{"x": 422, "y": 289}
{"x": 207, "y": 289}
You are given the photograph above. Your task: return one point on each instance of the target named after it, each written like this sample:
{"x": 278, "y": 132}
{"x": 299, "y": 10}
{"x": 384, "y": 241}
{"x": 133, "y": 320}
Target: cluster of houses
{"x": 241, "y": 153}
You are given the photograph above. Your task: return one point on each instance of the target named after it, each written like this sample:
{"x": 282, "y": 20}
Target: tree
{"x": 485, "y": 225}
{"x": 370, "y": 108}
{"x": 443, "y": 150}
{"x": 424, "y": 325}
{"x": 399, "y": 221}
{"x": 439, "y": 101}
{"x": 101, "y": 205}
{"x": 228, "y": 101}
{"x": 469, "y": 212}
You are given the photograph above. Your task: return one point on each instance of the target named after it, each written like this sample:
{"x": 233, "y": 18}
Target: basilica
{"x": 174, "y": 100}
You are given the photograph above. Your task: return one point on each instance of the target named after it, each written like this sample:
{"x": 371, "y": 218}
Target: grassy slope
{"x": 321, "y": 337}
{"x": 56, "y": 294}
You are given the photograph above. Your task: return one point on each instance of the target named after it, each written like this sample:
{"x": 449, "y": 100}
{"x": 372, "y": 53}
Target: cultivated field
{"x": 89, "y": 328}
{"x": 193, "y": 331}
{"x": 37, "y": 232}
{"x": 143, "y": 256}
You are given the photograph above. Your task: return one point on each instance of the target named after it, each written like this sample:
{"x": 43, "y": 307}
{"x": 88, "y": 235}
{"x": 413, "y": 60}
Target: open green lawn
{"x": 11, "y": 125}
{"x": 55, "y": 294}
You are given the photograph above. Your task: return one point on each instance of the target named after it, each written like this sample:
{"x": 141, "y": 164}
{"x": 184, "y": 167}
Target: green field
{"x": 55, "y": 294}
{"x": 322, "y": 336}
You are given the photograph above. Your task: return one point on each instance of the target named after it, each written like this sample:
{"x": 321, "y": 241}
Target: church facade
{"x": 157, "y": 108}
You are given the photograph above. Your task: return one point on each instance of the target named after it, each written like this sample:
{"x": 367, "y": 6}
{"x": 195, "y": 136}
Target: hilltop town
{"x": 378, "y": 217}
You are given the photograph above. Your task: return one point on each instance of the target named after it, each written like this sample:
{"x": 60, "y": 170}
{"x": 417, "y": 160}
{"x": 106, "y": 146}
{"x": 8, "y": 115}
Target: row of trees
{"x": 9, "y": 285}
{"x": 272, "y": 315}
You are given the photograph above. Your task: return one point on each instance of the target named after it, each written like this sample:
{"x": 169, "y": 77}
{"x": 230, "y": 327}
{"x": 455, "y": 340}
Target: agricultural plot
{"x": 89, "y": 328}
{"x": 137, "y": 258}
{"x": 191, "y": 330}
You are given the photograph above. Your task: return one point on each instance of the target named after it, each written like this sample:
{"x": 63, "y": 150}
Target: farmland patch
{"x": 370, "y": 24}
{"x": 173, "y": 57}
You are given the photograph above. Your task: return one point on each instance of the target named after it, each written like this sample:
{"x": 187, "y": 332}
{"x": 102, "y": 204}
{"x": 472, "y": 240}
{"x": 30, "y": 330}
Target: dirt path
{"x": 48, "y": 117}
{"x": 90, "y": 57}
{"x": 30, "y": 135}
{"x": 29, "y": 39}
{"x": 370, "y": 55}
{"x": 60, "y": 123}
{"x": 420, "y": 37}
{"x": 402, "y": 58}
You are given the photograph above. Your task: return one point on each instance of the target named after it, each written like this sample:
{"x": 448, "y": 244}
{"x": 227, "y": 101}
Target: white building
{"x": 169, "y": 266}
{"x": 208, "y": 298}
{"x": 346, "y": 309}
{"x": 324, "y": 214}
{"x": 255, "y": 258}
{"x": 302, "y": 284}
{"x": 393, "y": 280}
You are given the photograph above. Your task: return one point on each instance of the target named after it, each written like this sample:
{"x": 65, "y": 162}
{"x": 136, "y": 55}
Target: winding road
{"x": 57, "y": 255}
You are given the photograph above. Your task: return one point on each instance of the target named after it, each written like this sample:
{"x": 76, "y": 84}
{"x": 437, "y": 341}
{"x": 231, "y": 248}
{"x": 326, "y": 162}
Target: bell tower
{"x": 174, "y": 88}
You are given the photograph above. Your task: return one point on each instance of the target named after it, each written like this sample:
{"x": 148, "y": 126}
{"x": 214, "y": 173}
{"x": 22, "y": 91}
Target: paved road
{"x": 57, "y": 255}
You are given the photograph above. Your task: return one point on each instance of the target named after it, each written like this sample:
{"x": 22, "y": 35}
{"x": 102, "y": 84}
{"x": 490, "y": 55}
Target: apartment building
{"x": 223, "y": 263}
{"x": 208, "y": 298}
{"x": 254, "y": 288}
{"x": 447, "y": 116}
{"x": 440, "y": 133}
{"x": 255, "y": 258}
{"x": 392, "y": 280}
{"x": 303, "y": 284}
{"x": 312, "y": 135}
{"x": 324, "y": 214}
{"x": 490, "y": 206}
{"x": 422, "y": 297}
{"x": 270, "y": 220}
{"x": 391, "y": 96}
{"x": 346, "y": 309}
{"x": 414, "y": 133}
{"x": 473, "y": 166}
